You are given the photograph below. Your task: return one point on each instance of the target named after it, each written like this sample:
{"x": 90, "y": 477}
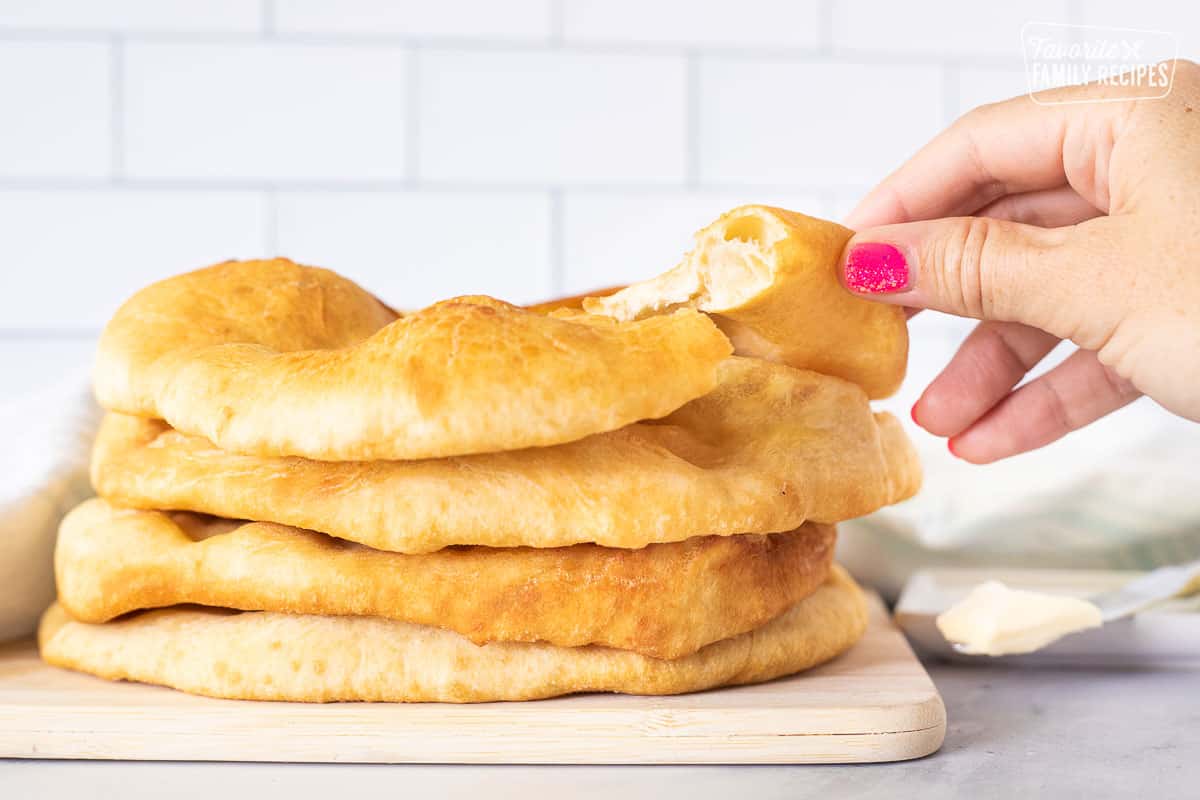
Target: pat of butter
{"x": 995, "y": 620}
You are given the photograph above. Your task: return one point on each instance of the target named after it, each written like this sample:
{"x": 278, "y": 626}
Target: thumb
{"x": 977, "y": 267}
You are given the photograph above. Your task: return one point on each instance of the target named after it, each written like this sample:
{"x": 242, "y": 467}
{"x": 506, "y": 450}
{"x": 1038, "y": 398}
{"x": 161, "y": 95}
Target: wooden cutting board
{"x": 875, "y": 703}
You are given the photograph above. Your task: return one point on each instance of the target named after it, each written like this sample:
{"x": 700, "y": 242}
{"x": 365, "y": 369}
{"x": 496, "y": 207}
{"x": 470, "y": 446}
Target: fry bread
{"x": 665, "y": 600}
{"x": 770, "y": 277}
{"x": 769, "y": 449}
{"x": 272, "y": 358}
{"x": 263, "y": 655}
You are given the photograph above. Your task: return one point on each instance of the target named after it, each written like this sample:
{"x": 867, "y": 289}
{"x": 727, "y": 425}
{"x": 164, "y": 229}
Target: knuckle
{"x": 965, "y": 274}
{"x": 1002, "y": 352}
{"x": 1185, "y": 69}
{"x": 1055, "y": 409}
{"x": 988, "y": 187}
{"x": 1117, "y": 387}
{"x": 993, "y": 265}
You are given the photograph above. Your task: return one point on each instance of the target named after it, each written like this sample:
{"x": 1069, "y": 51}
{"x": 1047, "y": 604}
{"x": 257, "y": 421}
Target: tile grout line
{"x": 1075, "y": 13}
{"x": 828, "y": 199}
{"x": 558, "y": 266}
{"x": 691, "y": 152}
{"x": 825, "y": 27}
{"x": 270, "y": 223}
{"x": 557, "y": 23}
{"x": 802, "y": 55}
{"x": 365, "y": 186}
{"x": 951, "y": 83}
{"x": 412, "y": 117}
{"x": 116, "y": 111}
{"x": 48, "y": 334}
{"x": 266, "y": 18}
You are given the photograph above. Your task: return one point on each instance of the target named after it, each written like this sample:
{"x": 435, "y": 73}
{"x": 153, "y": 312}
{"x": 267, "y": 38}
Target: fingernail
{"x": 876, "y": 268}
{"x": 912, "y": 412}
{"x": 950, "y": 447}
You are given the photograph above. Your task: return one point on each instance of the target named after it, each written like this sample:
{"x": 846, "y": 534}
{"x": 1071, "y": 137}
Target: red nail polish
{"x": 876, "y": 268}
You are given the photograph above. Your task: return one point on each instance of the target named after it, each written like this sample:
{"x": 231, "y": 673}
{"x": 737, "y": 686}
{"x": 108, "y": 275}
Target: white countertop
{"x": 1012, "y": 734}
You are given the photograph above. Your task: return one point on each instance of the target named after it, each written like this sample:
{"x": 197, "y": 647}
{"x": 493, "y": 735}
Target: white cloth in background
{"x": 46, "y": 438}
{"x": 1123, "y": 493}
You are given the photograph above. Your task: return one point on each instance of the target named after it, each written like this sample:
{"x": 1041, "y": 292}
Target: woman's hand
{"x": 1075, "y": 221}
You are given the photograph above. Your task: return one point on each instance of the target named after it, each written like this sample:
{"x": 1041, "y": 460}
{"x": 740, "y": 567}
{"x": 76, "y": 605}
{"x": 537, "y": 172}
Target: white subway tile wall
{"x": 129, "y": 16}
{"x": 513, "y": 147}
{"x": 263, "y": 112}
{"x": 1180, "y": 17}
{"x": 54, "y": 109}
{"x": 942, "y": 27}
{"x": 70, "y": 256}
{"x": 976, "y": 86}
{"x": 517, "y": 20}
{"x": 420, "y": 247}
{"x": 707, "y": 23}
{"x": 551, "y": 116}
{"x": 770, "y": 122}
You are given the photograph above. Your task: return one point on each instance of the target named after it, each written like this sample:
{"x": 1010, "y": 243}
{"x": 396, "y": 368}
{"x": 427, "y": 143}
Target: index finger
{"x": 996, "y": 150}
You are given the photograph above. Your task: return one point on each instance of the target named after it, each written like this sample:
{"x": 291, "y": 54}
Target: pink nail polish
{"x": 950, "y": 447}
{"x": 876, "y": 268}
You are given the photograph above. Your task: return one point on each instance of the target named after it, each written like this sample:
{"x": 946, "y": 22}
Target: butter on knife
{"x": 995, "y": 620}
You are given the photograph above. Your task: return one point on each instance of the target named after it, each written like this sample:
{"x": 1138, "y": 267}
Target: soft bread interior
{"x": 730, "y": 264}
{"x": 768, "y": 277}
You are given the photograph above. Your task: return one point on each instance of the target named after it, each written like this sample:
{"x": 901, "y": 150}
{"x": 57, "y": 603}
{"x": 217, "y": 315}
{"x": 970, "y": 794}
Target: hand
{"x": 1078, "y": 221}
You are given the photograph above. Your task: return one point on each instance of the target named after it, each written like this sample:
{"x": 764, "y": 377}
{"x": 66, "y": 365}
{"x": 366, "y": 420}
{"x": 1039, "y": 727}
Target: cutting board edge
{"x": 768, "y": 749}
{"x": 743, "y": 727}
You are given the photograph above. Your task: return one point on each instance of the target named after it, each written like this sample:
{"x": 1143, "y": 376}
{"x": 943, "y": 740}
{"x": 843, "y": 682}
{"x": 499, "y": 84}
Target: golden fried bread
{"x": 768, "y": 449}
{"x": 770, "y": 277}
{"x": 272, "y": 358}
{"x": 665, "y": 600}
{"x": 263, "y": 655}
{"x": 572, "y": 302}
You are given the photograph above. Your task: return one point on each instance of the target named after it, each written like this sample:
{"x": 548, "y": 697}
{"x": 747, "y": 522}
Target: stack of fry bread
{"x": 306, "y": 495}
